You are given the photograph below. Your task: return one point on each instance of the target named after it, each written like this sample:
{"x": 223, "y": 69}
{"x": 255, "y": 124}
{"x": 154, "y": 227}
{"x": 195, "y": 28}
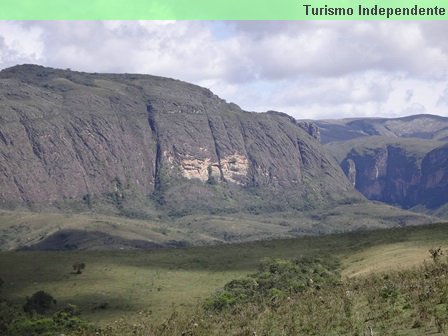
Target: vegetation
{"x": 40, "y": 302}
{"x": 28, "y": 230}
{"x": 413, "y": 147}
{"x": 79, "y": 267}
{"x": 276, "y": 279}
{"x": 15, "y": 322}
{"x": 128, "y": 284}
{"x": 408, "y": 302}
{"x": 282, "y": 299}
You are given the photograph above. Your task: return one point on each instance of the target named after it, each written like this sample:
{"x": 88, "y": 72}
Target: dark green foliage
{"x": 117, "y": 199}
{"x": 87, "y": 199}
{"x": 40, "y": 326}
{"x": 8, "y": 313}
{"x": 17, "y": 322}
{"x": 103, "y": 305}
{"x": 410, "y": 302}
{"x": 79, "y": 267}
{"x": 40, "y": 302}
{"x": 277, "y": 278}
{"x": 436, "y": 254}
{"x": 389, "y": 291}
{"x": 59, "y": 323}
{"x": 211, "y": 179}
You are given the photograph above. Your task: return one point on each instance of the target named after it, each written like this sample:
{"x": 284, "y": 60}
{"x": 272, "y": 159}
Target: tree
{"x": 436, "y": 253}
{"x": 40, "y": 302}
{"x": 211, "y": 179}
{"x": 79, "y": 267}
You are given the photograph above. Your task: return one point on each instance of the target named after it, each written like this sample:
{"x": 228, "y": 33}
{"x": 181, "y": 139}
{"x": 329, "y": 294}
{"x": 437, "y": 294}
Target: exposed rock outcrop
{"x": 404, "y": 172}
{"x": 434, "y": 185}
{"x": 387, "y": 174}
{"x": 73, "y": 137}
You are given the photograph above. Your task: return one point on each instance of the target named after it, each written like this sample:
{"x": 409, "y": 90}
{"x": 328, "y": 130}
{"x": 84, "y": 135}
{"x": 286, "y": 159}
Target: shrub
{"x": 40, "y": 302}
{"x": 436, "y": 254}
{"x": 59, "y": 323}
{"x": 8, "y": 314}
{"x": 79, "y": 267}
{"x": 276, "y": 278}
{"x": 14, "y": 322}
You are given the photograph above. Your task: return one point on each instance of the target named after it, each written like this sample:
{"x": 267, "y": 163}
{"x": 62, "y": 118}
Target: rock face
{"x": 408, "y": 167}
{"x": 392, "y": 175}
{"x": 388, "y": 174}
{"x": 75, "y": 137}
{"x": 434, "y": 186}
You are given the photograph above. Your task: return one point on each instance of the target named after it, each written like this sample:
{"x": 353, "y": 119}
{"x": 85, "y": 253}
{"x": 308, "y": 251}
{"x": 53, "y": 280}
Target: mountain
{"x": 159, "y": 149}
{"x": 74, "y": 136}
{"x": 401, "y": 161}
{"x": 435, "y": 178}
{"x": 422, "y": 126}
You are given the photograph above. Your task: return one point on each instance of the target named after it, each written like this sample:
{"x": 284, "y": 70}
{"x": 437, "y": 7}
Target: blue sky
{"x": 310, "y": 69}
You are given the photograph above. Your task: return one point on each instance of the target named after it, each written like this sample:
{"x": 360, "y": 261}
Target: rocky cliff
{"x": 133, "y": 140}
{"x": 434, "y": 185}
{"x": 408, "y": 167}
{"x": 385, "y": 173}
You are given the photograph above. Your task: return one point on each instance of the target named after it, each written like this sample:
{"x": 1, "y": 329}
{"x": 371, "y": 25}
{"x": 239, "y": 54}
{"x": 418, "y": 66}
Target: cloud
{"x": 19, "y": 44}
{"x": 409, "y": 95}
{"x": 338, "y": 48}
{"x": 311, "y": 69}
{"x": 443, "y": 99}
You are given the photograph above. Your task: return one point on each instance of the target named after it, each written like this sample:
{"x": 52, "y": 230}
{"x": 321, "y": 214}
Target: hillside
{"x": 71, "y": 138}
{"x": 88, "y": 231}
{"x": 78, "y": 149}
{"x": 423, "y": 126}
{"x": 389, "y": 169}
{"x": 400, "y": 161}
{"x": 145, "y": 287}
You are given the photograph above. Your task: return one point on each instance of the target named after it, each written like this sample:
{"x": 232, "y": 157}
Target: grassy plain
{"x": 94, "y": 231}
{"x": 117, "y": 284}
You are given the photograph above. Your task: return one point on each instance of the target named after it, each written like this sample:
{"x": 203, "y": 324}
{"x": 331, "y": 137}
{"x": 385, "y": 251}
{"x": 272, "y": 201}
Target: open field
{"x": 123, "y": 283}
{"x": 95, "y": 231}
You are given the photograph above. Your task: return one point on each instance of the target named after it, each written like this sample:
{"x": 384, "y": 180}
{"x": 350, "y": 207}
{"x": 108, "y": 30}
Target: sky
{"x": 308, "y": 69}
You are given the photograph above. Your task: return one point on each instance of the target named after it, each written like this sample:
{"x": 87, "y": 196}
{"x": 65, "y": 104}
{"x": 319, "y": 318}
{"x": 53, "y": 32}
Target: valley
{"x": 166, "y": 279}
{"x": 399, "y": 161}
{"x": 144, "y": 205}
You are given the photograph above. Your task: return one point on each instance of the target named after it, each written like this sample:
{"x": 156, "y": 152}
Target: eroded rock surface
{"x": 69, "y": 136}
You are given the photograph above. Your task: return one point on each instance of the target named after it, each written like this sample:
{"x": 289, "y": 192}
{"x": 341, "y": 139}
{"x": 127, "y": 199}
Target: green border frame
{"x": 204, "y": 9}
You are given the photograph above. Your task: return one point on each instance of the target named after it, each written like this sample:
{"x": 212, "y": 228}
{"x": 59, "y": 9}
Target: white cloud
{"x": 308, "y": 69}
{"x": 19, "y": 43}
{"x": 443, "y": 99}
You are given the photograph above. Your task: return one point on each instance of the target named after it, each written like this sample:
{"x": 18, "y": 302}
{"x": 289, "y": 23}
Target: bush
{"x": 14, "y": 322}
{"x": 436, "y": 254}
{"x": 59, "y": 323}
{"x": 40, "y": 303}
{"x": 8, "y": 314}
{"x": 79, "y": 267}
{"x": 276, "y": 278}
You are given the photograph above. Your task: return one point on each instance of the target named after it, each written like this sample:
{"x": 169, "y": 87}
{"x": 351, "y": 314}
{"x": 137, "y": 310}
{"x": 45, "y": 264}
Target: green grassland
{"x": 128, "y": 283}
{"x": 96, "y": 231}
{"x": 400, "y": 302}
